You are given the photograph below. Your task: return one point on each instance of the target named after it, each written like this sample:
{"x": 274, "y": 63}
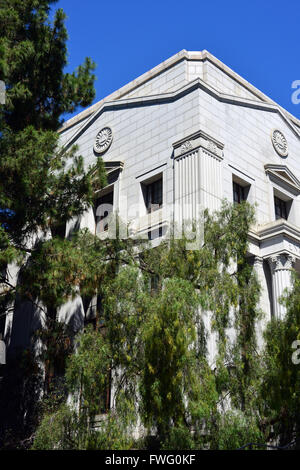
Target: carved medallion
{"x": 103, "y": 140}
{"x": 279, "y": 143}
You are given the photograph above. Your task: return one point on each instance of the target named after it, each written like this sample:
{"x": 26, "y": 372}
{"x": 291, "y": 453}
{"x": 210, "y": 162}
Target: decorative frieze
{"x": 198, "y": 140}
{"x": 211, "y": 146}
{"x": 186, "y": 146}
{"x": 294, "y": 248}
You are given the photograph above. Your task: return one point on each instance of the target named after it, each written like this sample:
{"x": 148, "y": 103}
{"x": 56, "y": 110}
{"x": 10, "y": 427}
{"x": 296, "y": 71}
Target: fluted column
{"x": 281, "y": 266}
{"x": 264, "y": 302}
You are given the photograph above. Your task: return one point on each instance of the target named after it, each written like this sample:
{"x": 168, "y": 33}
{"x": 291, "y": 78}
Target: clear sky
{"x": 259, "y": 39}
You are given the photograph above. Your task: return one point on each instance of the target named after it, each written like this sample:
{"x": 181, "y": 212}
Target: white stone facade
{"x": 200, "y": 127}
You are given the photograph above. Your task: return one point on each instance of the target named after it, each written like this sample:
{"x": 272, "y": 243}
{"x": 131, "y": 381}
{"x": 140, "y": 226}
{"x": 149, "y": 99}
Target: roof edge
{"x": 182, "y": 55}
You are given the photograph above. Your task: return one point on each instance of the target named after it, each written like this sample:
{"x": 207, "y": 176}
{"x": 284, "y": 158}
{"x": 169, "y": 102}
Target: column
{"x": 264, "y": 302}
{"x": 281, "y": 266}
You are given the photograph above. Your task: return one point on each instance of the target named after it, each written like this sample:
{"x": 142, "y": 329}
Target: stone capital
{"x": 282, "y": 261}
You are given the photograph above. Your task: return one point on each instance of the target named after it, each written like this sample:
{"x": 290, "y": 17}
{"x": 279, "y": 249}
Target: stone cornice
{"x": 162, "y": 67}
{"x": 194, "y": 141}
{"x": 278, "y": 227}
{"x": 282, "y": 174}
{"x": 111, "y": 167}
{"x": 280, "y": 231}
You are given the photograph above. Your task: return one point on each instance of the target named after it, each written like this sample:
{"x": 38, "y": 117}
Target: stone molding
{"x": 201, "y": 56}
{"x": 283, "y": 176}
{"x": 198, "y": 140}
{"x": 258, "y": 261}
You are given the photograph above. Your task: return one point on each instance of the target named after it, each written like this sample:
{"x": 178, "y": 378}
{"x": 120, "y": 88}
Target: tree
{"x": 42, "y": 185}
{"x": 152, "y": 340}
{"x": 281, "y": 377}
{"x": 150, "y": 335}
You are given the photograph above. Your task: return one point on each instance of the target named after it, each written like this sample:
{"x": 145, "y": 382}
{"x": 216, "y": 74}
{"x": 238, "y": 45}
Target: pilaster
{"x": 281, "y": 266}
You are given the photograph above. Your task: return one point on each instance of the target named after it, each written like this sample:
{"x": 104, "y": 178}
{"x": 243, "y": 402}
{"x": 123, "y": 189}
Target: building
{"x": 185, "y": 135}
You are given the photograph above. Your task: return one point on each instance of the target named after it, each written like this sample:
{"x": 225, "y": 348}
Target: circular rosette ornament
{"x": 103, "y": 140}
{"x": 279, "y": 143}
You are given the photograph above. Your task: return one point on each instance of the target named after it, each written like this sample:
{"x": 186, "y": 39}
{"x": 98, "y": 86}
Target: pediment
{"x": 113, "y": 169}
{"x": 283, "y": 175}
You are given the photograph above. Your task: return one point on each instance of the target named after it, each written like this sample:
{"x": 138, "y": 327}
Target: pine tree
{"x": 41, "y": 185}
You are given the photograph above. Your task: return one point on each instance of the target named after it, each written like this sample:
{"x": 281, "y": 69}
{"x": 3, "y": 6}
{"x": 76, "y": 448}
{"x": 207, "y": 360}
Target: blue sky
{"x": 258, "y": 39}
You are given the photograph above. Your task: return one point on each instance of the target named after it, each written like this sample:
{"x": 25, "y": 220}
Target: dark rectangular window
{"x": 154, "y": 196}
{"x": 105, "y": 398}
{"x": 2, "y": 324}
{"x": 103, "y": 207}
{"x": 238, "y": 193}
{"x": 280, "y": 208}
{"x": 154, "y": 283}
{"x": 155, "y": 233}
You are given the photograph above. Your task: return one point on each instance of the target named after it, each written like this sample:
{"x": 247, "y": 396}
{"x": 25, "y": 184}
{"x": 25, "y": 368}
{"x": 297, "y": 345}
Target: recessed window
{"x": 103, "y": 207}
{"x": 281, "y": 209}
{"x": 153, "y": 195}
{"x": 154, "y": 284}
{"x": 155, "y": 233}
{"x": 106, "y": 395}
{"x": 2, "y": 325}
{"x": 238, "y": 193}
{"x": 240, "y": 189}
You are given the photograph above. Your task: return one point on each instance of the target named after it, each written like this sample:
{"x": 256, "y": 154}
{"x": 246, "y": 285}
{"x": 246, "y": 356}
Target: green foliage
{"x": 178, "y": 438}
{"x": 33, "y": 57}
{"x": 281, "y": 375}
{"x": 169, "y": 335}
{"x": 41, "y": 184}
{"x": 57, "y": 430}
{"x": 111, "y": 434}
{"x": 235, "y": 430}
{"x": 153, "y": 341}
{"x": 153, "y": 301}
{"x": 64, "y": 429}
{"x": 88, "y": 370}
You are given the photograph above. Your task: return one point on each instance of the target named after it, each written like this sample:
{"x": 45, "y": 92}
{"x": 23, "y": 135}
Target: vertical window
{"x": 103, "y": 207}
{"x": 157, "y": 232}
{"x": 2, "y": 324}
{"x": 105, "y": 398}
{"x": 280, "y": 208}
{"x": 153, "y": 195}
{"x": 154, "y": 284}
{"x": 238, "y": 193}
